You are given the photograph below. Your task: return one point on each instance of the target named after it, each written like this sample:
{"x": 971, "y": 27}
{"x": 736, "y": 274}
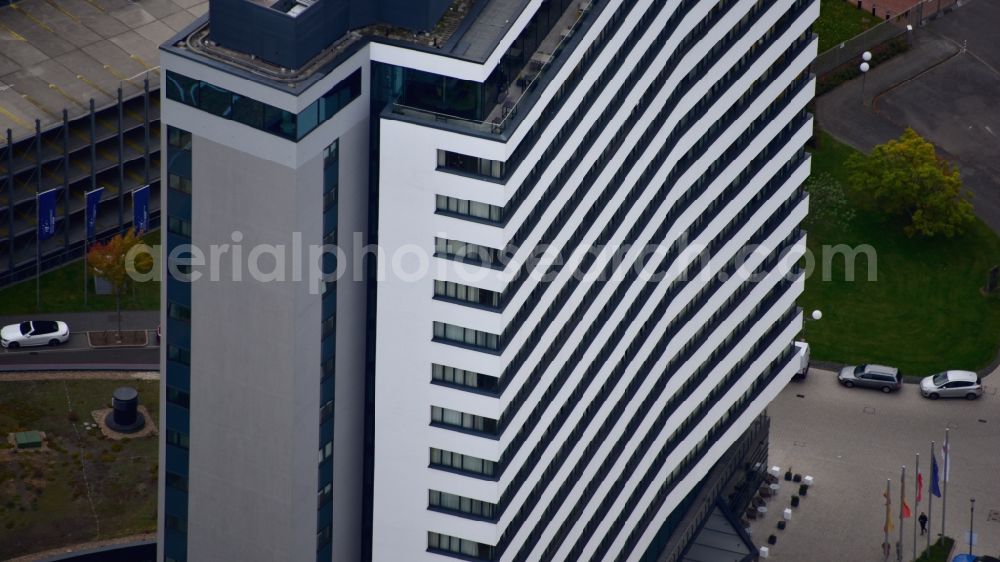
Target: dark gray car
{"x": 870, "y": 375}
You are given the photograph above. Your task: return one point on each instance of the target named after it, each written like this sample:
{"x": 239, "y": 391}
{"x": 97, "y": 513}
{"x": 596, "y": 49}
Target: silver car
{"x": 870, "y": 375}
{"x": 952, "y": 384}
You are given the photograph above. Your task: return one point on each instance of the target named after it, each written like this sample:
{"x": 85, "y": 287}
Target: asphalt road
{"x": 851, "y": 441}
{"x": 946, "y": 87}
{"x": 77, "y": 353}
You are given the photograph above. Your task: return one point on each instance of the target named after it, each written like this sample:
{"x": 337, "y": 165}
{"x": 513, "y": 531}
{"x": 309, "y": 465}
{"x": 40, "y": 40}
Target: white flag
{"x": 945, "y": 461}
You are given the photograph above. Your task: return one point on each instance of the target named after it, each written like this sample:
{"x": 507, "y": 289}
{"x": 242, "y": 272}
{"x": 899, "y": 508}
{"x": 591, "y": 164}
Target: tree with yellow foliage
{"x": 111, "y": 261}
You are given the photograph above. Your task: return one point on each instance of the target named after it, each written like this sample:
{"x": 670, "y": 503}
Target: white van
{"x": 803, "y": 350}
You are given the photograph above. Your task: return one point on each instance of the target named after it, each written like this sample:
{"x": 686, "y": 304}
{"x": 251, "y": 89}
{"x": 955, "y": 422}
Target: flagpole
{"x": 916, "y": 504}
{"x": 930, "y": 500}
{"x": 888, "y": 519}
{"x": 38, "y": 252}
{"x": 944, "y": 493}
{"x": 902, "y": 507}
{"x": 86, "y": 242}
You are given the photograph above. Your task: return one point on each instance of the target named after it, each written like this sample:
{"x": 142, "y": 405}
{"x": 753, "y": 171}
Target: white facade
{"x": 553, "y": 522}
{"x": 668, "y": 129}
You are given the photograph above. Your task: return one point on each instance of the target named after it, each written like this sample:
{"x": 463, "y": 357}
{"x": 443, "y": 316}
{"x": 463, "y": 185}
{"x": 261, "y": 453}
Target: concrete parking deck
{"x": 57, "y": 54}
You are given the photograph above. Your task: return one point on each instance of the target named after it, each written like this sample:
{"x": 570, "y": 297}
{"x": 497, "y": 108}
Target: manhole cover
{"x": 993, "y": 515}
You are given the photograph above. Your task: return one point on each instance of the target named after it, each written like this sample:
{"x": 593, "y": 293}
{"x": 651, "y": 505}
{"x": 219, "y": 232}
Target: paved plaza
{"x": 851, "y": 441}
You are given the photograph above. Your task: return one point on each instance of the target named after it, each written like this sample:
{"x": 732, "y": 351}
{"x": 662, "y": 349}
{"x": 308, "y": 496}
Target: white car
{"x": 952, "y": 384}
{"x": 37, "y": 332}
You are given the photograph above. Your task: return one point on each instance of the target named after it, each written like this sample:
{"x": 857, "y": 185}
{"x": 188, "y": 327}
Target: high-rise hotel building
{"x": 587, "y": 218}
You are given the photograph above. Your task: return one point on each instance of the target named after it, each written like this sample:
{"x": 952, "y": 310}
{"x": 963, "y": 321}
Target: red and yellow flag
{"x": 888, "y": 527}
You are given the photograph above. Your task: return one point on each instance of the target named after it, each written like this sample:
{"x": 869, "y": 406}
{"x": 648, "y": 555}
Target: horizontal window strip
{"x": 447, "y": 544}
{"x": 460, "y": 504}
{"x": 469, "y": 209}
{"x": 453, "y": 161}
{"x": 178, "y": 311}
{"x": 445, "y": 417}
{"x": 462, "y": 463}
{"x": 178, "y": 439}
{"x": 442, "y": 374}
{"x": 261, "y": 116}
{"x": 465, "y": 293}
{"x": 466, "y": 336}
{"x": 178, "y": 397}
{"x": 468, "y": 252}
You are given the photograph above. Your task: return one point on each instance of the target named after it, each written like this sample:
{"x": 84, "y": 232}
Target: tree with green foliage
{"x": 906, "y": 177}
{"x": 112, "y": 261}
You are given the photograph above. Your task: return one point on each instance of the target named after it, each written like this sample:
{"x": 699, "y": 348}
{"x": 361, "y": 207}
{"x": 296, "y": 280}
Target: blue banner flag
{"x": 140, "y": 209}
{"x": 93, "y": 200}
{"x": 47, "y": 214}
{"x": 935, "y": 488}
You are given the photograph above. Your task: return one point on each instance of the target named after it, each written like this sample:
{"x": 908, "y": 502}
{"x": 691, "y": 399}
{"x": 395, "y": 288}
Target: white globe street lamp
{"x": 864, "y": 68}
{"x": 817, "y": 314}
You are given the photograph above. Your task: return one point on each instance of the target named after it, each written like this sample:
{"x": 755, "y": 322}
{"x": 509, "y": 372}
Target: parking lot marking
{"x": 142, "y": 62}
{"x": 44, "y": 109}
{"x": 63, "y": 10}
{"x": 15, "y": 119}
{"x": 37, "y": 21}
{"x": 93, "y": 85}
{"x": 96, "y": 5}
{"x": 67, "y": 96}
{"x": 119, "y": 75}
{"x": 17, "y": 36}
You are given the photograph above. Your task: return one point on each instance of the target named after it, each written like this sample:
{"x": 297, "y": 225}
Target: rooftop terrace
{"x": 469, "y": 30}
{"x": 57, "y": 54}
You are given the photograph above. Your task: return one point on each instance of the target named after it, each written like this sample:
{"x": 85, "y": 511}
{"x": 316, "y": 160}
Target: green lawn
{"x": 62, "y": 291}
{"x": 839, "y": 20}
{"x": 938, "y": 552}
{"x": 44, "y": 496}
{"x": 924, "y": 313}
